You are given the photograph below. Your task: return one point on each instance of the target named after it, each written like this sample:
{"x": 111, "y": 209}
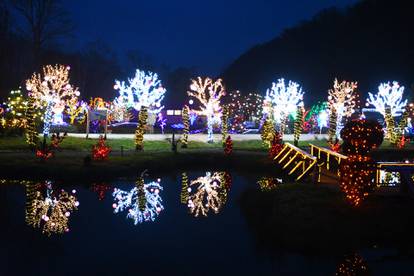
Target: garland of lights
{"x": 208, "y": 93}
{"x": 184, "y": 188}
{"x": 186, "y": 129}
{"x": 224, "y": 125}
{"x": 31, "y": 132}
{"x": 298, "y": 125}
{"x": 139, "y": 132}
{"x": 228, "y": 146}
{"x": 358, "y": 170}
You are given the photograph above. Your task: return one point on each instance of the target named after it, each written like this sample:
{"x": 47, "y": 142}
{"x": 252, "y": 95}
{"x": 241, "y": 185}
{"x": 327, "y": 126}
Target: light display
{"x": 268, "y": 133}
{"x": 333, "y": 120}
{"x": 14, "y": 110}
{"x": 388, "y": 95}
{"x": 74, "y": 109}
{"x": 184, "y": 188}
{"x": 228, "y": 146}
{"x": 143, "y": 90}
{"x": 139, "y": 132}
{"x": 342, "y": 99}
{"x": 100, "y": 151}
{"x": 322, "y": 120}
{"x": 284, "y": 101}
{"x": 269, "y": 183}
{"x": 208, "y": 93}
{"x": 357, "y": 172}
{"x": 206, "y": 193}
{"x": 186, "y": 129}
{"x": 129, "y": 201}
{"x": 276, "y": 147}
{"x": 101, "y": 189}
{"x": 224, "y": 125}
{"x": 53, "y": 210}
{"x": 243, "y": 109}
{"x": 352, "y": 265}
{"x": 162, "y": 122}
{"x": 31, "y": 131}
{"x": 298, "y": 125}
{"x": 52, "y": 91}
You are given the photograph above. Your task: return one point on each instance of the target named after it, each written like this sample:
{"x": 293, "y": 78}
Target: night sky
{"x": 204, "y": 34}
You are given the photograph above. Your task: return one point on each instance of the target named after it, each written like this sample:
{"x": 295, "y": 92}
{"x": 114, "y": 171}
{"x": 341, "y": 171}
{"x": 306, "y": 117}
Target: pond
{"x": 180, "y": 223}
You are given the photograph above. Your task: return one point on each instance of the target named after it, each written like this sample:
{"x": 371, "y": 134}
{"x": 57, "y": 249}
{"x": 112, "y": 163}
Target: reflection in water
{"x": 210, "y": 192}
{"x": 143, "y": 202}
{"x": 269, "y": 183}
{"x": 52, "y": 211}
{"x": 352, "y": 265}
{"x": 184, "y": 189}
{"x": 101, "y": 189}
{"x": 389, "y": 178}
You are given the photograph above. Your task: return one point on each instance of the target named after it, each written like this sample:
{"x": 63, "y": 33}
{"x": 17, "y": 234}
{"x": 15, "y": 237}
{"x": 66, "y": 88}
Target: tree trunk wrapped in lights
{"x": 224, "y": 125}
{"x": 139, "y": 132}
{"x": 268, "y": 132}
{"x": 186, "y": 129}
{"x": 228, "y": 146}
{"x": 401, "y": 127}
{"x": 31, "y": 133}
{"x": 298, "y": 125}
{"x": 358, "y": 170}
{"x": 333, "y": 116}
{"x": 184, "y": 189}
{"x": 390, "y": 125}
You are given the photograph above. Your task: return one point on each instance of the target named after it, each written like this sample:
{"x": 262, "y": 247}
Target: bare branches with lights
{"x": 388, "y": 96}
{"x": 208, "y": 93}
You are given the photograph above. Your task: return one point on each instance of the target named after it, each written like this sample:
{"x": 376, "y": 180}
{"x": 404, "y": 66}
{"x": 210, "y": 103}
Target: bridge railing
{"x": 328, "y": 159}
{"x": 295, "y": 161}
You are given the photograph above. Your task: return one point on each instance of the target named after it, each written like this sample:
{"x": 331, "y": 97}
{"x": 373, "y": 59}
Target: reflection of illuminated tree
{"x": 211, "y": 193}
{"x": 269, "y": 183}
{"x": 52, "y": 211}
{"x": 151, "y": 203}
{"x": 101, "y": 189}
{"x": 352, "y": 264}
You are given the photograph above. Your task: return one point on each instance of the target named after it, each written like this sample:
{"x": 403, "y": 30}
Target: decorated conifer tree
{"x": 186, "y": 129}
{"x": 333, "y": 117}
{"x": 32, "y": 136}
{"x": 139, "y": 132}
{"x": 298, "y": 125}
{"x": 184, "y": 188}
{"x": 228, "y": 148}
{"x": 224, "y": 124}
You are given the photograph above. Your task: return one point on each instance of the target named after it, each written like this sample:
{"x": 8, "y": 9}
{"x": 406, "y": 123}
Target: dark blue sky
{"x": 205, "y": 34}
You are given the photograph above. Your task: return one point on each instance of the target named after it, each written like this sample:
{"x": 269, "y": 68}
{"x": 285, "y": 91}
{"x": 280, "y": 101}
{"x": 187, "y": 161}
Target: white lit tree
{"x": 282, "y": 101}
{"x": 52, "y": 91}
{"x": 130, "y": 201}
{"x": 208, "y": 93}
{"x": 388, "y": 95}
{"x": 342, "y": 98}
{"x": 144, "y": 89}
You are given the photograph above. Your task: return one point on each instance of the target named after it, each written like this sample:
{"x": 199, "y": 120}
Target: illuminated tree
{"x": 52, "y": 210}
{"x": 391, "y": 96}
{"x": 15, "y": 109}
{"x": 139, "y": 132}
{"x": 224, "y": 124}
{"x": 52, "y": 90}
{"x": 342, "y": 98}
{"x": 130, "y": 202}
{"x": 276, "y": 146}
{"x": 284, "y": 100}
{"x": 74, "y": 108}
{"x": 208, "y": 93}
{"x": 333, "y": 120}
{"x": 186, "y": 129}
{"x": 143, "y": 90}
{"x": 268, "y": 132}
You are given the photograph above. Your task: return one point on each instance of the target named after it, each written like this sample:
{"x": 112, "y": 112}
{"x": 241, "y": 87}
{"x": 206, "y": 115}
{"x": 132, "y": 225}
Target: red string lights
{"x": 100, "y": 151}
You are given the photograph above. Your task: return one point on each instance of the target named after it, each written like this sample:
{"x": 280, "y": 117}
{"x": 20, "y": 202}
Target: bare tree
{"x": 43, "y": 21}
